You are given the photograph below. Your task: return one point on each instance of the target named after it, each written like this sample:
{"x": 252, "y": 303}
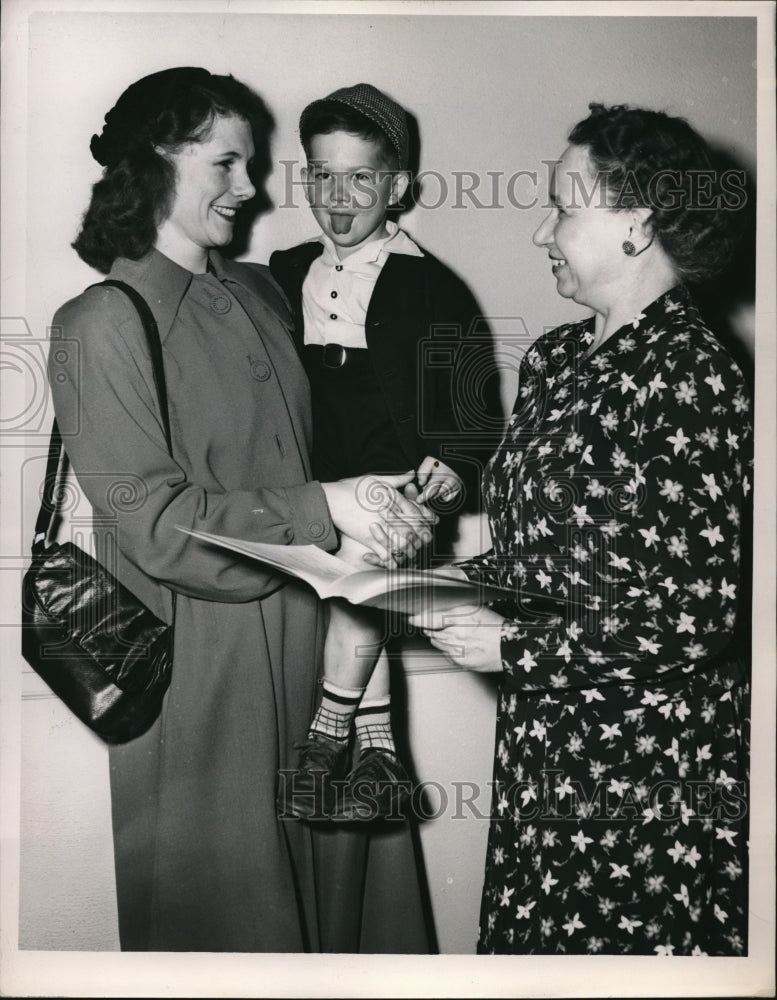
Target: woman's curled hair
{"x": 135, "y": 194}
{"x": 649, "y": 159}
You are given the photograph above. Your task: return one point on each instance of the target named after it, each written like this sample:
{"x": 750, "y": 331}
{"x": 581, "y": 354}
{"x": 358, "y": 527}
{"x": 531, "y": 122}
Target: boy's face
{"x": 350, "y": 187}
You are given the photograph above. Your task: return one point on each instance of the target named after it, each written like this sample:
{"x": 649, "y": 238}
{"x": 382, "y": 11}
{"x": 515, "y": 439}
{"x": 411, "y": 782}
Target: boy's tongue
{"x": 341, "y": 224}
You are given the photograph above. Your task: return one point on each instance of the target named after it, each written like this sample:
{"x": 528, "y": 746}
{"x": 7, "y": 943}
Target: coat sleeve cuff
{"x": 311, "y": 523}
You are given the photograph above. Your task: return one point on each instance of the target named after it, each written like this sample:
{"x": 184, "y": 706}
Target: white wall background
{"x": 491, "y": 93}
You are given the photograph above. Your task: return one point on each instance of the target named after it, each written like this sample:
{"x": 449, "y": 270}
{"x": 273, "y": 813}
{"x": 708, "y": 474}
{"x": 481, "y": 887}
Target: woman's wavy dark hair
{"x": 649, "y": 159}
{"x": 135, "y": 194}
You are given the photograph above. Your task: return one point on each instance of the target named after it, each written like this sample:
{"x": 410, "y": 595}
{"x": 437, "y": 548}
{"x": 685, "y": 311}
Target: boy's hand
{"x": 436, "y": 479}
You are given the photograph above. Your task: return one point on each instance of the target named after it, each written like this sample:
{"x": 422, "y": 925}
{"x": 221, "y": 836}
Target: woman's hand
{"x": 373, "y": 511}
{"x": 435, "y": 479}
{"x": 469, "y": 636}
{"x": 353, "y": 552}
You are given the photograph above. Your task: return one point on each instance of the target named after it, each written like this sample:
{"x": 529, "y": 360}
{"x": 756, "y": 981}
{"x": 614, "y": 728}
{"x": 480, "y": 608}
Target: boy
{"x": 364, "y": 296}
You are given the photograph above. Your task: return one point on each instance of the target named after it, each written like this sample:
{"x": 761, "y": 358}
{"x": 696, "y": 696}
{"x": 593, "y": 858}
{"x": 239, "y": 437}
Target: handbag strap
{"x": 155, "y": 350}
{"x": 57, "y": 463}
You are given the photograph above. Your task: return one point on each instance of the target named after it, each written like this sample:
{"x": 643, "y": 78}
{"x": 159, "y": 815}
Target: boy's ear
{"x": 398, "y": 186}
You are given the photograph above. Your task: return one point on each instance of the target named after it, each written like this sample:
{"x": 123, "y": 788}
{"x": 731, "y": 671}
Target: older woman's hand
{"x": 373, "y": 511}
{"x": 470, "y": 636}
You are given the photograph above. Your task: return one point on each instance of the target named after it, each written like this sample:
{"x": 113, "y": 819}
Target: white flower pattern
{"x": 618, "y": 559}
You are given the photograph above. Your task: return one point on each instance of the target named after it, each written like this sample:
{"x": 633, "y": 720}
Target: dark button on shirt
{"x": 333, "y": 294}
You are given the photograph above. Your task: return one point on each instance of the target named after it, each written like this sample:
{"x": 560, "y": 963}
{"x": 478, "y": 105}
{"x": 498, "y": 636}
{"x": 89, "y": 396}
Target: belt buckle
{"x": 334, "y": 355}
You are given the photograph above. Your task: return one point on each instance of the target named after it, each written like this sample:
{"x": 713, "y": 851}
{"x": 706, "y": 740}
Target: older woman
{"x": 202, "y": 862}
{"x": 616, "y": 505}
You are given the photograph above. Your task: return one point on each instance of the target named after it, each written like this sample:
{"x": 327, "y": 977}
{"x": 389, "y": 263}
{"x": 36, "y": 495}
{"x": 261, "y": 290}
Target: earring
{"x": 628, "y": 247}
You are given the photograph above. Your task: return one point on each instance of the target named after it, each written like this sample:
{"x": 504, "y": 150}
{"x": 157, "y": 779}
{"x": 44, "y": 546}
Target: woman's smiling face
{"x": 583, "y": 237}
{"x": 212, "y": 182}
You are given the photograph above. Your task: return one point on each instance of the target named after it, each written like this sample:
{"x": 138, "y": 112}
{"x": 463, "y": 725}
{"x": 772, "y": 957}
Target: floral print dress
{"x": 617, "y": 505}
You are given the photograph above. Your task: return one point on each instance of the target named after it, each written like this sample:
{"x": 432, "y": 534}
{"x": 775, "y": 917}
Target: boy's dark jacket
{"x": 419, "y": 328}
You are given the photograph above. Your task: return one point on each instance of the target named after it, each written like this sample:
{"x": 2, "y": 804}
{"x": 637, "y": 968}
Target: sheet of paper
{"x": 305, "y": 561}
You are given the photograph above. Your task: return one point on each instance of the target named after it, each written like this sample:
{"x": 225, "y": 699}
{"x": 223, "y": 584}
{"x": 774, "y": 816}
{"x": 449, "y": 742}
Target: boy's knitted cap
{"x": 373, "y": 104}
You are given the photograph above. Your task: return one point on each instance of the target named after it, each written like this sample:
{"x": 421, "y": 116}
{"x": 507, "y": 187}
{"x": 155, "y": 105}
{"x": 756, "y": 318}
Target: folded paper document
{"x": 405, "y": 590}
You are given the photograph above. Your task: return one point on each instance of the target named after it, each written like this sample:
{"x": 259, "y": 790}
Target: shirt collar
{"x": 396, "y": 241}
{"x": 229, "y": 270}
{"x": 164, "y": 284}
{"x": 161, "y": 282}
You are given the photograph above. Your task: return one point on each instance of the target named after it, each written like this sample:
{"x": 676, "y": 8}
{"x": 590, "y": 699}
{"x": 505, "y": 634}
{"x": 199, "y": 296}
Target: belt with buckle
{"x": 327, "y": 355}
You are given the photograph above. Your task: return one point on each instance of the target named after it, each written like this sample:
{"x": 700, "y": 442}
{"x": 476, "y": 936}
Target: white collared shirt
{"x": 336, "y": 293}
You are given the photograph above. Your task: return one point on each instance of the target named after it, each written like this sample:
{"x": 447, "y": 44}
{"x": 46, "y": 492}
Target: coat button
{"x": 220, "y": 304}
{"x": 316, "y": 529}
{"x": 260, "y": 371}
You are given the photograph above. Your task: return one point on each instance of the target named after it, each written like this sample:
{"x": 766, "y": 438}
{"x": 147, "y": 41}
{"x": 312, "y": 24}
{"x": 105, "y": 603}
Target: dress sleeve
{"x": 545, "y": 584}
{"x": 666, "y": 584}
{"x": 106, "y": 404}
{"x": 482, "y": 568}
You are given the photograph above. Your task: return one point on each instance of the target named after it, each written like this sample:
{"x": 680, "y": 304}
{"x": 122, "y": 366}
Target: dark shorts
{"x": 353, "y": 433}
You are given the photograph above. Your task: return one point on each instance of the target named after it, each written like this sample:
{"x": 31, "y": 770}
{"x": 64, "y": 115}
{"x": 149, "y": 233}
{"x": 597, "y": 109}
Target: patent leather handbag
{"x": 98, "y": 647}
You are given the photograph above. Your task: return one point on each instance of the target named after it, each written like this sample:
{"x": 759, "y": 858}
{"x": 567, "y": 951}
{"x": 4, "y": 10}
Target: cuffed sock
{"x": 334, "y": 717}
{"x": 373, "y": 726}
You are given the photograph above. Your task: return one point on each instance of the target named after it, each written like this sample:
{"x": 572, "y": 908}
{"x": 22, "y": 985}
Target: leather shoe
{"x": 377, "y": 788}
{"x": 307, "y": 791}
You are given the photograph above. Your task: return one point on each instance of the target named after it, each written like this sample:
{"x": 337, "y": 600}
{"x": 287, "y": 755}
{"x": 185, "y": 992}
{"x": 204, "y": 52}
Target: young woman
{"x": 202, "y": 862}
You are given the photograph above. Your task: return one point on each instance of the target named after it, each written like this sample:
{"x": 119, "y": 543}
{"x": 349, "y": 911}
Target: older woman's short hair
{"x": 652, "y": 160}
{"x": 135, "y": 195}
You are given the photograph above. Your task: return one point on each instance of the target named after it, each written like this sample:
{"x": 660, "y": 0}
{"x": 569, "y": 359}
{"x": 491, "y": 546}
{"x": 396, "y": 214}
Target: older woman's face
{"x": 211, "y": 184}
{"x": 583, "y": 237}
